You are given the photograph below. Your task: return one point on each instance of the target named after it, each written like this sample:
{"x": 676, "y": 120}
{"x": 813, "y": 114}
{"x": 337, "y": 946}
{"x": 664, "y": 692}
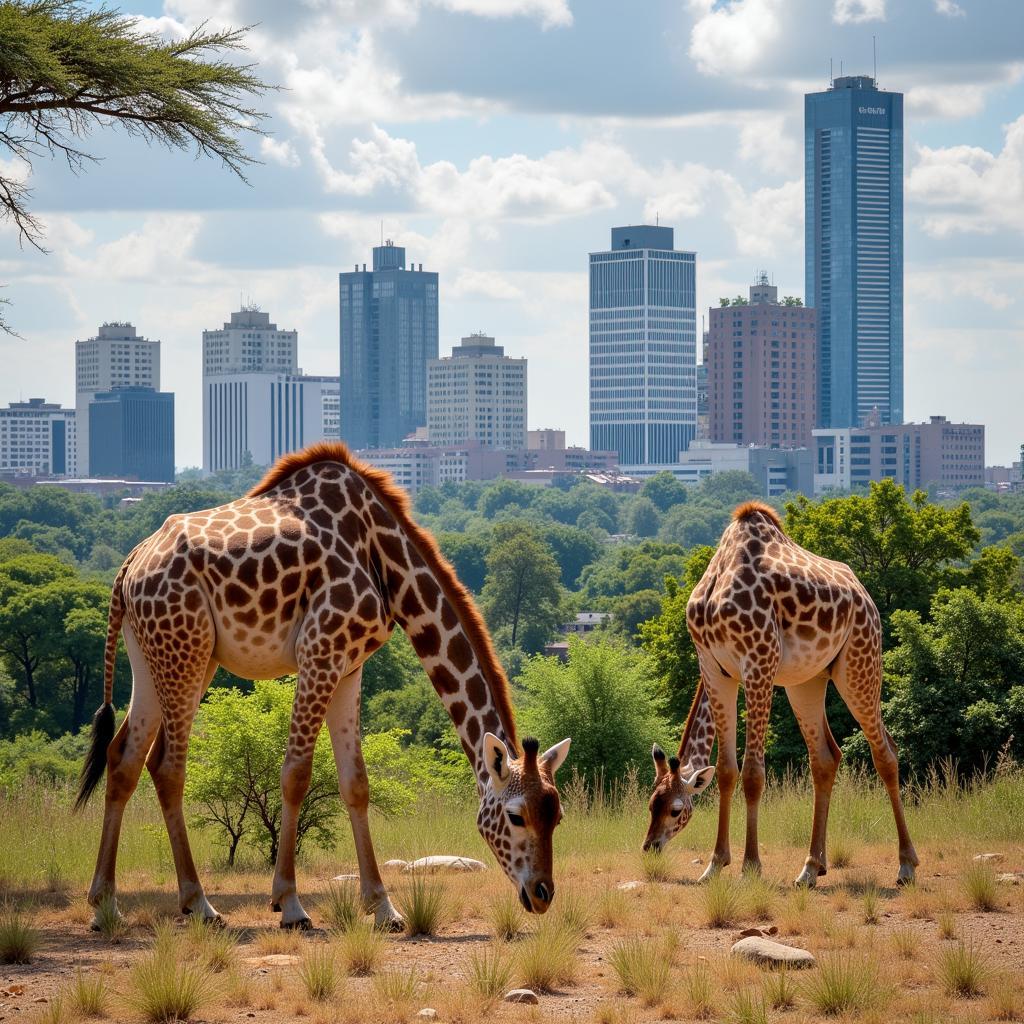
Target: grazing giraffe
{"x": 769, "y": 613}
{"x": 309, "y": 573}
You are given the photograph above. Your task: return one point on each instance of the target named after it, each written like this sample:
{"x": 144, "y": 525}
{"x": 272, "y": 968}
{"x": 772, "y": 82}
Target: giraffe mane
{"x": 690, "y": 716}
{"x": 397, "y": 500}
{"x": 750, "y": 508}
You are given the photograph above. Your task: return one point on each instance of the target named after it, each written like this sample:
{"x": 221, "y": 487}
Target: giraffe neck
{"x": 699, "y": 732}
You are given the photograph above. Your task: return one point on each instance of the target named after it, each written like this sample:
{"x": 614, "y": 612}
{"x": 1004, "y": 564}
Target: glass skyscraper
{"x": 853, "y": 155}
{"x": 643, "y": 347}
{"x": 388, "y": 333}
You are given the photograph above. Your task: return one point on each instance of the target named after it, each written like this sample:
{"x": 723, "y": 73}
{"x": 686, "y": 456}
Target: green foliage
{"x": 68, "y": 69}
{"x": 34, "y": 756}
{"x": 643, "y": 519}
{"x": 468, "y": 554}
{"x": 664, "y": 491}
{"x": 603, "y": 698}
{"x": 626, "y": 569}
{"x": 631, "y": 611}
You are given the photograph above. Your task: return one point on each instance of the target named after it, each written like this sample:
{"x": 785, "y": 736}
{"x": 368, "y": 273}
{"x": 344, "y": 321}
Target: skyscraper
{"x": 643, "y": 347}
{"x": 116, "y": 358}
{"x": 131, "y": 434}
{"x": 853, "y": 155}
{"x": 388, "y": 321}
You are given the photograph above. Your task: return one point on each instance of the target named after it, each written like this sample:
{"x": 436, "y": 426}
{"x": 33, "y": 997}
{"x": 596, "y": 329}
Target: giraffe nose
{"x": 544, "y": 891}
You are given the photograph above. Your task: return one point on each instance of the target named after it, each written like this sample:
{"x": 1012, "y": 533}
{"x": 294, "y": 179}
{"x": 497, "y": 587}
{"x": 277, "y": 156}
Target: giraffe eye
{"x": 516, "y": 819}
{"x": 675, "y": 813}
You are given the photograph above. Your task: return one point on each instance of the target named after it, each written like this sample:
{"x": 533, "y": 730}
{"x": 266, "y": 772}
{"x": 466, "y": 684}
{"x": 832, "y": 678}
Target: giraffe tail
{"x": 104, "y": 721}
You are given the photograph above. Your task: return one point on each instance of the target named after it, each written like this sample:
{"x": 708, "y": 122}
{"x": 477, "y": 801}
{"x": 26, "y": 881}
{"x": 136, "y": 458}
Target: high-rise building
{"x": 116, "y": 358}
{"x": 388, "y": 321}
{"x": 762, "y": 377}
{"x": 643, "y": 349}
{"x": 131, "y": 434}
{"x": 257, "y": 403}
{"x": 853, "y": 154}
{"x": 477, "y": 394}
{"x": 38, "y": 438}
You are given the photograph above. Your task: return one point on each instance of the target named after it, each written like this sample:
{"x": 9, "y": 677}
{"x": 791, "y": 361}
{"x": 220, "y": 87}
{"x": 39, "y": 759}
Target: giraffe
{"x": 769, "y": 613}
{"x": 309, "y": 573}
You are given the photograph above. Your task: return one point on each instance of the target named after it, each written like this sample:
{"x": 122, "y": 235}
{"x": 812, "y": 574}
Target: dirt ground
{"x": 901, "y": 935}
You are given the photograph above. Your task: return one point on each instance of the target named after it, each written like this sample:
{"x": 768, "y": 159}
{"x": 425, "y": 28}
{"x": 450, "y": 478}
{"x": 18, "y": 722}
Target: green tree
{"x": 643, "y": 519}
{"x": 574, "y": 550}
{"x": 664, "y": 490}
{"x": 468, "y": 554}
{"x": 68, "y": 68}
{"x": 392, "y": 667}
{"x": 522, "y": 594}
{"x": 728, "y": 488}
{"x": 632, "y": 610}
{"x": 900, "y": 547}
{"x": 603, "y": 698}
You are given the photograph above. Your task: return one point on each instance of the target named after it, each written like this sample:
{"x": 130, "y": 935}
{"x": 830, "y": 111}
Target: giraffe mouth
{"x": 524, "y": 898}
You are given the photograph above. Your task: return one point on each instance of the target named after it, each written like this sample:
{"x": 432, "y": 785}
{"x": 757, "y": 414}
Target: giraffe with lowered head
{"x": 309, "y": 573}
{"x": 769, "y": 613}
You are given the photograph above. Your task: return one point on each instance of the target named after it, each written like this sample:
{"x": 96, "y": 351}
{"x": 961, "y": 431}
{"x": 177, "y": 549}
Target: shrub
{"x": 422, "y": 904}
{"x": 641, "y": 967}
{"x": 19, "y": 940}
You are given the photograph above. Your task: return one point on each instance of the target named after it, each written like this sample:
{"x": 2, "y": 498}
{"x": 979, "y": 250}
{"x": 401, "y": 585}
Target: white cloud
{"x": 969, "y": 188}
{"x": 855, "y": 11}
{"x": 732, "y": 36}
{"x": 279, "y": 152}
{"x": 950, "y": 8}
{"x": 765, "y": 142}
{"x": 489, "y": 284}
{"x": 964, "y": 99}
{"x": 550, "y": 13}
{"x": 767, "y": 222}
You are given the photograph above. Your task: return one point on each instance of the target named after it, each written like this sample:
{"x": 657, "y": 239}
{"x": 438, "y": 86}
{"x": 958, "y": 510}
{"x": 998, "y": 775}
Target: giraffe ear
{"x": 496, "y": 757}
{"x": 660, "y": 765}
{"x": 553, "y": 757}
{"x": 699, "y": 780}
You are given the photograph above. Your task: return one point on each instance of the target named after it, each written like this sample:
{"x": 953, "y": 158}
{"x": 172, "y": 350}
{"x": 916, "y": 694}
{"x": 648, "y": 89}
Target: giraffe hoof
{"x": 303, "y": 924}
{"x": 807, "y": 879}
{"x": 710, "y": 872}
{"x": 275, "y": 908}
{"x": 906, "y": 875}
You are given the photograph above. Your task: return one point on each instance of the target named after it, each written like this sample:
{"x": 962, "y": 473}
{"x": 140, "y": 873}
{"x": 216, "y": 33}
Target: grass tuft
{"x": 213, "y": 945}
{"x": 108, "y": 920}
{"x": 318, "y": 973}
{"x": 981, "y": 886}
{"x": 963, "y": 970}
{"x": 422, "y": 904}
{"x": 397, "y": 989}
{"x": 780, "y": 990}
{"x": 946, "y": 920}
{"x": 506, "y": 916}
{"x": 656, "y": 865}
{"x": 547, "y": 958}
{"x": 840, "y": 852}
{"x": 19, "y": 940}
{"x": 747, "y": 1006}
{"x": 490, "y": 974}
{"x": 720, "y": 902}
{"x": 571, "y": 913}
{"x": 88, "y": 995}
{"x": 361, "y": 948}
{"x": 341, "y": 906}
{"x": 842, "y": 985}
{"x": 166, "y": 988}
{"x": 700, "y": 992}
{"x": 758, "y": 897}
{"x": 1004, "y": 999}
{"x": 869, "y": 904}
{"x": 906, "y": 942}
{"x": 642, "y": 967}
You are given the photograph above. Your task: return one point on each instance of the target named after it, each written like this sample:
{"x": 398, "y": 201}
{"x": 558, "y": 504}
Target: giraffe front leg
{"x": 758, "y": 680}
{"x": 722, "y": 695}
{"x": 343, "y": 725}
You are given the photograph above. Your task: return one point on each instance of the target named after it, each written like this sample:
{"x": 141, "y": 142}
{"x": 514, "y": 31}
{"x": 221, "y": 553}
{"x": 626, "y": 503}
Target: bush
{"x": 604, "y": 699}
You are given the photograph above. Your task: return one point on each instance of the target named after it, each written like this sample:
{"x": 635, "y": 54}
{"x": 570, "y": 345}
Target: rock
{"x": 696, "y": 860}
{"x": 1010, "y": 877}
{"x": 521, "y": 995}
{"x": 345, "y": 878}
{"x": 772, "y": 954}
{"x": 272, "y": 960}
{"x": 633, "y": 886}
{"x": 427, "y": 1013}
{"x": 754, "y": 932}
{"x": 395, "y": 865}
{"x": 441, "y": 863}
{"x": 991, "y": 858}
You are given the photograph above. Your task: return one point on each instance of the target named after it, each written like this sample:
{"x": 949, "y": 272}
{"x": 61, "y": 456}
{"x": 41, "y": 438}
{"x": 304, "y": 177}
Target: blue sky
{"x": 500, "y": 140}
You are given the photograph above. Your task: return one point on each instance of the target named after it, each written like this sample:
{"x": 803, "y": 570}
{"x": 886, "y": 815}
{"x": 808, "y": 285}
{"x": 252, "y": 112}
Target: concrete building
{"x": 853, "y": 179}
{"x": 388, "y": 320}
{"x": 38, "y": 438}
{"x": 256, "y": 400}
{"x": 477, "y": 394}
{"x": 948, "y": 456}
{"x": 776, "y": 470}
{"x": 762, "y": 371}
{"x": 643, "y": 349}
{"x": 131, "y": 434}
{"x": 545, "y": 439}
{"x": 115, "y": 358}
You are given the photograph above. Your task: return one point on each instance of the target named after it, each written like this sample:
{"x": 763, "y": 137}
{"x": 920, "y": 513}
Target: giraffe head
{"x": 519, "y": 811}
{"x": 671, "y": 803}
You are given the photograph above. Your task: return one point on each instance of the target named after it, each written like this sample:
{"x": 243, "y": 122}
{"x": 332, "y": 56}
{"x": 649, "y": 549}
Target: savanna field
{"x": 630, "y": 937}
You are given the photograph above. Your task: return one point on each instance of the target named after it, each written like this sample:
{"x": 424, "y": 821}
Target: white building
{"x": 37, "y": 438}
{"x": 256, "y": 400}
{"x": 477, "y": 394}
{"x": 116, "y": 358}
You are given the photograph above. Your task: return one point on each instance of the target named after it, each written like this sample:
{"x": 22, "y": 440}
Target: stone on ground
{"x": 771, "y": 953}
{"x": 427, "y": 1013}
{"x": 442, "y": 863}
{"x": 992, "y": 858}
{"x": 521, "y": 995}
{"x": 272, "y": 960}
{"x": 1011, "y": 877}
{"x": 345, "y": 878}
{"x": 634, "y": 886}
{"x": 395, "y": 865}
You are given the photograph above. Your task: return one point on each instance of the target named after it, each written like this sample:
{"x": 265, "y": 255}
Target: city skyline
{"x": 503, "y": 185}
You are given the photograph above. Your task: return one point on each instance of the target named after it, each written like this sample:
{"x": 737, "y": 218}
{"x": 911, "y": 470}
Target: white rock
{"x": 442, "y": 863}
{"x": 272, "y": 960}
{"x": 992, "y": 858}
{"x": 1010, "y": 877}
{"x": 521, "y": 995}
{"x": 345, "y": 878}
{"x": 395, "y": 865}
{"x": 633, "y": 886}
{"x": 767, "y": 951}
{"x": 427, "y": 1013}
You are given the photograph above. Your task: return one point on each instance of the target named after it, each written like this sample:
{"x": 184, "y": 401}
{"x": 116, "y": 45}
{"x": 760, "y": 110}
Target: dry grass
{"x": 656, "y": 865}
{"x": 165, "y": 988}
{"x": 318, "y": 972}
{"x": 340, "y": 905}
{"x": 506, "y": 916}
{"x": 1005, "y": 1000}
{"x": 19, "y": 938}
{"x": 422, "y": 904}
{"x": 361, "y": 948}
{"x": 88, "y": 995}
{"x": 980, "y": 884}
{"x": 642, "y": 967}
{"x": 547, "y": 958}
{"x": 964, "y": 970}
{"x": 906, "y": 942}
{"x": 700, "y": 992}
{"x": 490, "y": 974}
{"x": 720, "y": 902}
{"x": 842, "y": 985}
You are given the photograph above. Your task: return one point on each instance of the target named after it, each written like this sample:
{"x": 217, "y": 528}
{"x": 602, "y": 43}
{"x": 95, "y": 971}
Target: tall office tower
{"x": 643, "y": 349}
{"x": 762, "y": 376}
{"x": 257, "y": 403}
{"x": 116, "y": 358}
{"x": 477, "y": 394}
{"x": 853, "y": 155}
{"x": 37, "y": 438}
{"x": 131, "y": 434}
{"x": 388, "y": 319}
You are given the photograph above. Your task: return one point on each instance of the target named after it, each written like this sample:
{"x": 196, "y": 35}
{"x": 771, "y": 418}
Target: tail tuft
{"x": 103, "y": 723}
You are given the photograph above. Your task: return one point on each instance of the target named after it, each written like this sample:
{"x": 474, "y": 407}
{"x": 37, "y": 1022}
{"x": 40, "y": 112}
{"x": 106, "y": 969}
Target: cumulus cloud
{"x": 950, "y": 8}
{"x": 279, "y": 152}
{"x": 767, "y": 222}
{"x": 854, "y": 11}
{"x": 965, "y": 99}
{"x": 970, "y": 189}
{"x": 550, "y": 13}
{"x": 732, "y": 36}
{"x": 765, "y": 142}
{"x": 489, "y": 284}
